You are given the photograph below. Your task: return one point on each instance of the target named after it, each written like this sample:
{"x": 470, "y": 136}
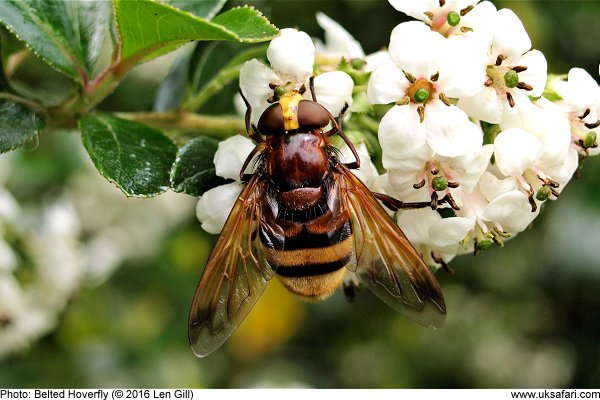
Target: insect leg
{"x": 395, "y": 204}
{"x": 443, "y": 263}
{"x": 336, "y": 122}
{"x": 350, "y": 286}
{"x": 246, "y": 177}
{"x": 251, "y": 129}
{"x": 354, "y": 164}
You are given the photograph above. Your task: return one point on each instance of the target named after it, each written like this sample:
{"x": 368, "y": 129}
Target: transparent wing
{"x": 384, "y": 258}
{"x": 235, "y": 275}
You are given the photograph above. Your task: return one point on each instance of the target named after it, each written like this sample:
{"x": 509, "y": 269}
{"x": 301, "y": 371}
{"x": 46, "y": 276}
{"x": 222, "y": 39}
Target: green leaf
{"x": 92, "y": 19}
{"x": 148, "y": 29}
{"x": 18, "y": 124}
{"x": 66, "y": 34}
{"x": 173, "y": 89}
{"x": 136, "y": 157}
{"x": 194, "y": 171}
{"x": 248, "y": 24}
{"x": 206, "y": 9}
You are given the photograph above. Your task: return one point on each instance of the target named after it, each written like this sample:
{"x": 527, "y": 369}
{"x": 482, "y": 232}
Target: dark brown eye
{"x": 271, "y": 121}
{"x": 312, "y": 115}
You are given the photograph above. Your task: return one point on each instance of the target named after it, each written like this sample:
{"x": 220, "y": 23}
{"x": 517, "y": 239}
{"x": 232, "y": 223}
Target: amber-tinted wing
{"x": 384, "y": 258}
{"x": 235, "y": 276}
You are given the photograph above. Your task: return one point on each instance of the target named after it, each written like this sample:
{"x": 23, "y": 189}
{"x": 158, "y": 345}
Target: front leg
{"x": 250, "y": 129}
{"x": 244, "y": 177}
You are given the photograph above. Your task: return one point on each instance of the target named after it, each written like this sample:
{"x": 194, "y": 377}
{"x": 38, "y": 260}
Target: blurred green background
{"x": 527, "y": 315}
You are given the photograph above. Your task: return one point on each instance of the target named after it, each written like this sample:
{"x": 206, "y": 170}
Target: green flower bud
{"x": 358, "y": 63}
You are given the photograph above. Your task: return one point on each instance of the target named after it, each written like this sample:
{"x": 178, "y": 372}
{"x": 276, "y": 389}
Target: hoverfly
{"x": 306, "y": 218}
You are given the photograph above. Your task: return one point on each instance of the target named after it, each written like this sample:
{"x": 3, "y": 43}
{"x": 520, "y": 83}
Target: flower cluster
{"x": 469, "y": 124}
{"x": 474, "y": 124}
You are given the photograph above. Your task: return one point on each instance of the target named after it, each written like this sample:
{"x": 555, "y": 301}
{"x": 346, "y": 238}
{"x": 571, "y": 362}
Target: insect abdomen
{"x": 310, "y": 245}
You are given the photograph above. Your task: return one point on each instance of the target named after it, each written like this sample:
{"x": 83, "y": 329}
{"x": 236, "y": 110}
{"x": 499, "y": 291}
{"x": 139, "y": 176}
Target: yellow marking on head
{"x": 289, "y": 107}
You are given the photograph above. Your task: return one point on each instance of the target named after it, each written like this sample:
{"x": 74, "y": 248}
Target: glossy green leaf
{"x": 136, "y": 157}
{"x": 194, "y": 171}
{"x": 92, "y": 22}
{"x": 148, "y": 29}
{"x": 66, "y": 34}
{"x": 18, "y": 124}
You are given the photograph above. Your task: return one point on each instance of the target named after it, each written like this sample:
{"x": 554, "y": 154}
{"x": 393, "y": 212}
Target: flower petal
{"x": 463, "y": 70}
{"x": 450, "y": 231}
{"x": 485, "y": 105}
{"x": 468, "y": 168}
{"x": 536, "y": 73}
{"x": 417, "y": 49}
{"x": 400, "y": 132}
{"x": 214, "y": 206}
{"x": 333, "y": 91}
{"x": 230, "y": 156}
{"x": 511, "y": 210}
{"x": 579, "y": 92}
{"x": 374, "y": 59}
{"x": 387, "y": 83}
{"x": 450, "y": 133}
{"x": 491, "y": 187}
{"x": 416, "y": 223}
{"x": 254, "y": 84}
{"x": 510, "y": 37}
{"x": 292, "y": 55}
{"x": 516, "y": 150}
{"x": 415, "y": 9}
{"x": 338, "y": 42}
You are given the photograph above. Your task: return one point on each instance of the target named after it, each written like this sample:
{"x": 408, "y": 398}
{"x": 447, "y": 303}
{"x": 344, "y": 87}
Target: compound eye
{"x": 271, "y": 121}
{"x": 312, "y": 115}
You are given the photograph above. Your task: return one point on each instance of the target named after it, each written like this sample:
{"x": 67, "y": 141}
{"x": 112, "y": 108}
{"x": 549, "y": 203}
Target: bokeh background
{"x": 526, "y": 315}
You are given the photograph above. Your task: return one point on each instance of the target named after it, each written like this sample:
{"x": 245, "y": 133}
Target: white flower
{"x": 548, "y": 124}
{"x": 580, "y": 99}
{"x": 514, "y": 72}
{"x": 534, "y": 149}
{"x": 214, "y": 205}
{"x": 420, "y": 74}
{"x": 292, "y": 57}
{"x": 451, "y": 18}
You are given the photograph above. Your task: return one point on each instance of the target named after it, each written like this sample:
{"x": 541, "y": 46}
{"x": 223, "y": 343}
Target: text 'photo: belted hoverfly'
{"x": 306, "y": 218}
